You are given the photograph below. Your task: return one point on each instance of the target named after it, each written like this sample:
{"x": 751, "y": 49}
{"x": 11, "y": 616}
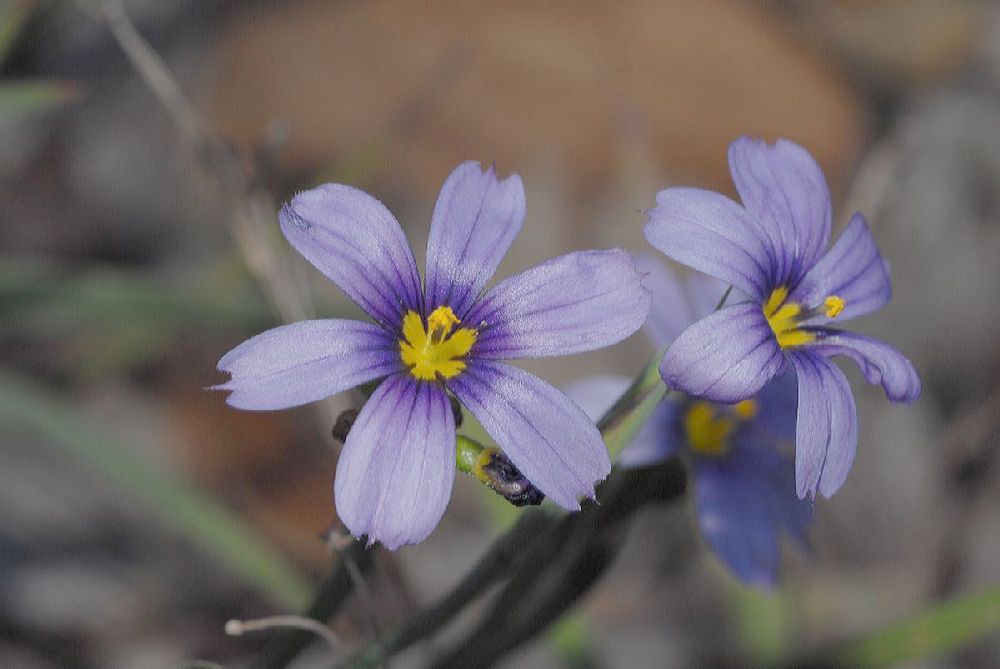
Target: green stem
{"x": 576, "y": 555}
{"x": 493, "y": 566}
{"x": 327, "y": 603}
{"x": 533, "y": 541}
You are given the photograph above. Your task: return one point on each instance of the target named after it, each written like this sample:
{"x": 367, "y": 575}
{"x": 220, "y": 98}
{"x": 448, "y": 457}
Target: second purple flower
{"x": 395, "y": 473}
{"x": 773, "y": 249}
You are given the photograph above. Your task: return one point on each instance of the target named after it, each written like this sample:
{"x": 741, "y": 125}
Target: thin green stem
{"x": 578, "y": 553}
{"x": 492, "y": 567}
{"x": 527, "y": 549}
{"x": 327, "y": 603}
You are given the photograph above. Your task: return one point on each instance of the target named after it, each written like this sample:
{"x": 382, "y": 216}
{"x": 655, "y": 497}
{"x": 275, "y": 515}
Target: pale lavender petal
{"x": 827, "y": 428}
{"x": 880, "y": 363}
{"x": 852, "y": 269}
{"x": 714, "y": 235}
{"x": 545, "y": 435}
{"x": 784, "y": 190}
{"x": 307, "y": 361}
{"x": 726, "y": 357}
{"x": 670, "y": 311}
{"x": 475, "y": 220}
{"x": 396, "y": 469}
{"x": 577, "y": 302}
{"x": 744, "y": 502}
{"x": 356, "y": 242}
{"x": 656, "y": 441}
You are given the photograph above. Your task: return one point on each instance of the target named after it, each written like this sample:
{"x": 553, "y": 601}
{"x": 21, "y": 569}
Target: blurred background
{"x": 138, "y": 513}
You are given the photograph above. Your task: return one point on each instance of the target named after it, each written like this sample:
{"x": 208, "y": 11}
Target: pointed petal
{"x": 826, "y": 436}
{"x": 396, "y": 470}
{"x": 544, "y": 434}
{"x": 880, "y": 363}
{"x": 577, "y": 302}
{"x": 714, "y": 235}
{"x": 475, "y": 220}
{"x": 784, "y": 190}
{"x": 852, "y": 269}
{"x": 356, "y": 242}
{"x": 725, "y": 357}
{"x": 744, "y": 502}
{"x": 655, "y": 442}
{"x": 306, "y": 361}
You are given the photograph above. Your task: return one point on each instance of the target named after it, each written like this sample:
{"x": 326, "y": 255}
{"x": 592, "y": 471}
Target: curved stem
{"x": 493, "y": 566}
{"x": 329, "y": 600}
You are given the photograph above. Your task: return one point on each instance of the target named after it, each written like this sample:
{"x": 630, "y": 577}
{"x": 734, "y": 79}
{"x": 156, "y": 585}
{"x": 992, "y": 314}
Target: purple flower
{"x": 395, "y": 473}
{"x": 739, "y": 455}
{"x": 772, "y": 249}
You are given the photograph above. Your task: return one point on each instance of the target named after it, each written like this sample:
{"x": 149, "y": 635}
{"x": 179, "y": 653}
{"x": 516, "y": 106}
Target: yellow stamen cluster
{"x": 708, "y": 430}
{"x": 784, "y": 317}
{"x": 437, "y": 350}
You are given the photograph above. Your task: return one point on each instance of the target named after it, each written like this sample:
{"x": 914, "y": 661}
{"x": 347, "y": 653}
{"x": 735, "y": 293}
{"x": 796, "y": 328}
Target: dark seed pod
{"x": 345, "y": 422}
{"x": 500, "y": 474}
{"x": 456, "y": 409}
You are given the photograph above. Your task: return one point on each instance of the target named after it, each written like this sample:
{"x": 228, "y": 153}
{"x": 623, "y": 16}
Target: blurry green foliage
{"x": 32, "y": 96}
{"x": 930, "y": 633}
{"x": 24, "y": 405}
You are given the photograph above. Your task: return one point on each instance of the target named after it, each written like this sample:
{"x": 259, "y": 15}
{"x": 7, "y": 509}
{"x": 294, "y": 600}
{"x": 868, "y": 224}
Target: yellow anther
{"x": 745, "y": 410}
{"x": 776, "y": 299}
{"x": 706, "y": 433}
{"x": 783, "y": 317}
{"x": 436, "y": 350}
{"x": 440, "y": 323}
{"x": 834, "y": 305}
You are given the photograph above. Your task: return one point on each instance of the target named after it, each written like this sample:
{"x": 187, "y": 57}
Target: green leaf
{"x": 36, "y": 96}
{"x": 40, "y": 295}
{"x": 933, "y": 632}
{"x": 217, "y": 530}
{"x": 13, "y": 15}
{"x": 627, "y": 416}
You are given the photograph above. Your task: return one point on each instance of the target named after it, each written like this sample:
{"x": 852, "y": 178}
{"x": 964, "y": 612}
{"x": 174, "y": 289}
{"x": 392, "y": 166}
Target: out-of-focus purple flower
{"x": 773, "y": 249}
{"x": 740, "y": 455}
{"x": 395, "y": 472}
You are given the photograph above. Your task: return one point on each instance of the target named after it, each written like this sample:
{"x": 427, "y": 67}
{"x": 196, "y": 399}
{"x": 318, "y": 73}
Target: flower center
{"x": 784, "y": 317}
{"x": 436, "y": 350}
{"x": 708, "y": 427}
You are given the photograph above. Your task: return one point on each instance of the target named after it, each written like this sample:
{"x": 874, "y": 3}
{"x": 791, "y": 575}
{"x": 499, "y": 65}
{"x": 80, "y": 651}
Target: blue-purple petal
{"x": 714, "y": 235}
{"x": 880, "y": 363}
{"x": 574, "y": 303}
{"x": 656, "y": 441}
{"x": 396, "y": 469}
{"x": 548, "y": 437}
{"x": 853, "y": 269}
{"x": 357, "y": 243}
{"x": 776, "y": 412}
{"x": 744, "y": 502}
{"x": 475, "y": 220}
{"x": 306, "y": 361}
{"x": 785, "y": 192}
{"x": 826, "y": 437}
{"x": 725, "y": 357}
